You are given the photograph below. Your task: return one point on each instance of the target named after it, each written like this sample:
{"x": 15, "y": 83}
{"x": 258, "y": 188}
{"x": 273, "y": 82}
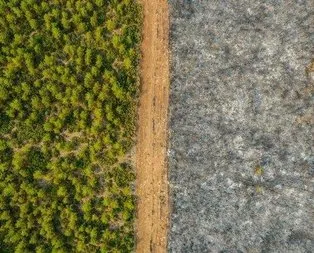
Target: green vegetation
{"x": 68, "y": 88}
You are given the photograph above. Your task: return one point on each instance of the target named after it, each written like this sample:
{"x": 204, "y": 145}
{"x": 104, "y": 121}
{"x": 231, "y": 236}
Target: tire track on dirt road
{"x": 151, "y": 149}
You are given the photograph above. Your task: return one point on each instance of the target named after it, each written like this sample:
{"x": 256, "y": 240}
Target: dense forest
{"x": 68, "y": 89}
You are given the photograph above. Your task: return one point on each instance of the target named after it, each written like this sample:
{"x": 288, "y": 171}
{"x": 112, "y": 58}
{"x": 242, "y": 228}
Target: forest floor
{"x": 151, "y": 149}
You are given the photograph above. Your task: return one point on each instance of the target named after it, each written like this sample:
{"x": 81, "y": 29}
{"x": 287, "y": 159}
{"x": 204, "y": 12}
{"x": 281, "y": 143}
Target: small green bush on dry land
{"x": 68, "y": 88}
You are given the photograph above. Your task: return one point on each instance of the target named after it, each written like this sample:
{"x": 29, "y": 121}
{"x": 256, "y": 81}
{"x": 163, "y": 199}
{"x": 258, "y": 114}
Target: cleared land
{"x": 241, "y": 163}
{"x": 152, "y": 187}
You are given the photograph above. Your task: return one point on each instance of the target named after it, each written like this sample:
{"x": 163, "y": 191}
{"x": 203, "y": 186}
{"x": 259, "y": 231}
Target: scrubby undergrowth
{"x": 68, "y": 87}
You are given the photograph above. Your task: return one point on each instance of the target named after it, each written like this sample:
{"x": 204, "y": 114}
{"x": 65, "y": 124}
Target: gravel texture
{"x": 241, "y": 153}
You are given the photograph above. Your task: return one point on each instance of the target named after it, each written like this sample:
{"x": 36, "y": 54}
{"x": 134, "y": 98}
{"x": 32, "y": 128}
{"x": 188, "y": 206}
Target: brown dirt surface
{"x": 151, "y": 149}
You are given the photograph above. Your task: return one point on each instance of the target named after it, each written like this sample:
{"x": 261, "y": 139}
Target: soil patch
{"x": 151, "y": 163}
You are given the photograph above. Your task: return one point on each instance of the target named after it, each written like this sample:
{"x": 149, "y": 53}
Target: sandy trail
{"x": 151, "y": 162}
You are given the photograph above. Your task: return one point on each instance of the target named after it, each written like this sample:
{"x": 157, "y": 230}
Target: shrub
{"x": 68, "y": 85}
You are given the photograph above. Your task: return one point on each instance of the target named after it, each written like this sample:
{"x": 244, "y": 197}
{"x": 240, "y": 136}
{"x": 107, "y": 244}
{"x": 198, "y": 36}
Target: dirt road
{"x": 151, "y": 162}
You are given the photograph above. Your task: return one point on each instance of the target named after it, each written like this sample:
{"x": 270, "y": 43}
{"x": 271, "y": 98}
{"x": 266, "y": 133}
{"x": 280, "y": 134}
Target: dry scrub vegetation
{"x": 68, "y": 88}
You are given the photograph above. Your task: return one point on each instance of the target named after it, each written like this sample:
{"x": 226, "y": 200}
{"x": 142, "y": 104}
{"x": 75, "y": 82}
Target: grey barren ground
{"x": 241, "y": 154}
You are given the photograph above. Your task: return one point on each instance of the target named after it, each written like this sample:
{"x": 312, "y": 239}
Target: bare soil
{"x": 151, "y": 162}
